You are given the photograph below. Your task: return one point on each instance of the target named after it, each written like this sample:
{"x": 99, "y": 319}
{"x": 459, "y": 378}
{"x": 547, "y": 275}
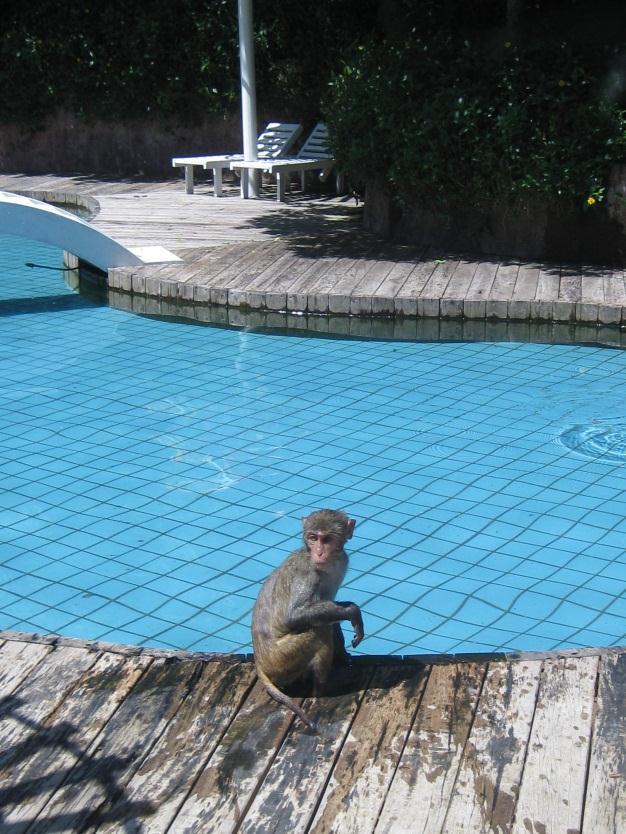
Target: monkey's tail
{"x": 285, "y": 700}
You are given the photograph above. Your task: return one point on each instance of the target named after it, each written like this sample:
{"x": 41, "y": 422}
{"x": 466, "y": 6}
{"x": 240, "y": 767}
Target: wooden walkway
{"x": 108, "y": 739}
{"x": 310, "y": 256}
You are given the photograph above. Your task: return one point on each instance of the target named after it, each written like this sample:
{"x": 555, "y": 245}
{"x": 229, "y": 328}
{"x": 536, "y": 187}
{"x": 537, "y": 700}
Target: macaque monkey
{"x": 295, "y": 622}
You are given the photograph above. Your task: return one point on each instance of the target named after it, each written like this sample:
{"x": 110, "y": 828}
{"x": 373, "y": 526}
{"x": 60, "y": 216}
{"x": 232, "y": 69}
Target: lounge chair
{"x": 277, "y": 139}
{"x": 314, "y": 155}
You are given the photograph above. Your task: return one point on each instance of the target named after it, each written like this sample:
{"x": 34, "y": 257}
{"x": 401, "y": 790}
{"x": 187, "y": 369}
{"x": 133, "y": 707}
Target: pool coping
{"x": 52, "y": 639}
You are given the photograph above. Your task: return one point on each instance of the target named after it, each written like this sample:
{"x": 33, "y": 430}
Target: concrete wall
{"x": 142, "y": 147}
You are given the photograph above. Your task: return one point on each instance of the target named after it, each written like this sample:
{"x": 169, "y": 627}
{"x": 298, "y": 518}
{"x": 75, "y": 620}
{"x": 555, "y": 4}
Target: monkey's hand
{"x": 356, "y": 620}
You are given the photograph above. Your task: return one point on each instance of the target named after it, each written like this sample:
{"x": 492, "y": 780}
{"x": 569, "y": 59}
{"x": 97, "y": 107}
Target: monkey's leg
{"x": 321, "y": 666}
{"x": 340, "y": 656}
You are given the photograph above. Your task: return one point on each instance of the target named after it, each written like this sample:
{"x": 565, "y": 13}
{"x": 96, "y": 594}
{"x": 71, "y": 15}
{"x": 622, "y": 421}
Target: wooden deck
{"x": 107, "y": 739}
{"x": 310, "y": 256}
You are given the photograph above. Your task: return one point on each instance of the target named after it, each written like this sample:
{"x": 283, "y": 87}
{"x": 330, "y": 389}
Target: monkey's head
{"x": 325, "y": 533}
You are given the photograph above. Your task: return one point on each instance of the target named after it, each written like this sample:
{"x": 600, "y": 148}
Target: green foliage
{"x": 118, "y": 60}
{"x": 447, "y": 121}
{"x": 171, "y": 59}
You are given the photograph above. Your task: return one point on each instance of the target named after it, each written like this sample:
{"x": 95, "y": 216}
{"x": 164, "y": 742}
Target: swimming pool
{"x": 154, "y": 472}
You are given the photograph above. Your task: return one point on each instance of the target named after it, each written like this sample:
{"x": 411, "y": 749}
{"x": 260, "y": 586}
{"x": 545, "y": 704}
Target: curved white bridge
{"x": 49, "y": 224}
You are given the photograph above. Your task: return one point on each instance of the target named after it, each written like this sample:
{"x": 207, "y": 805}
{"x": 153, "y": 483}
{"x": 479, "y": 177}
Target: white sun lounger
{"x": 277, "y": 139}
{"x": 314, "y": 155}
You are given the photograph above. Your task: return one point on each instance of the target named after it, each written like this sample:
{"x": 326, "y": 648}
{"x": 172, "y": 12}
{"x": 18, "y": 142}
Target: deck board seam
{"x": 407, "y": 735}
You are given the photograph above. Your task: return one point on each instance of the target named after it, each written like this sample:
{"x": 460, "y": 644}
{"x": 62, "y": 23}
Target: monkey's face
{"x": 323, "y": 547}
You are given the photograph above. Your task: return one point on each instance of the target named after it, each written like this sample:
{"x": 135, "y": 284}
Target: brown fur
{"x": 294, "y": 622}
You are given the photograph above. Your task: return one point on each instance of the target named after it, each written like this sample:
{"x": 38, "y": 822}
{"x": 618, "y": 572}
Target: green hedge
{"x": 170, "y": 59}
{"x": 446, "y": 120}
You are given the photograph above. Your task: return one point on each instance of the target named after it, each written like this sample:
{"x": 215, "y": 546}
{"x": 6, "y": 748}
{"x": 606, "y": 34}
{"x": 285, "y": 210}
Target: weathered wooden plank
{"x": 592, "y": 286}
{"x": 461, "y": 281}
{"x": 483, "y": 280}
{"x": 290, "y": 276}
{"x": 264, "y": 279}
{"x": 548, "y": 284}
{"x": 417, "y": 278}
{"x": 418, "y": 798}
{"x": 54, "y": 755}
{"x": 570, "y": 285}
{"x": 167, "y": 774}
{"x": 16, "y": 661}
{"x": 374, "y": 277}
{"x": 290, "y": 793}
{"x": 487, "y": 786}
{"x": 526, "y": 282}
{"x": 440, "y": 277}
{"x": 119, "y": 750}
{"x": 346, "y": 274}
{"x": 553, "y": 785}
{"x": 605, "y": 804}
{"x": 39, "y": 694}
{"x": 218, "y": 271}
{"x": 365, "y": 767}
{"x": 220, "y": 796}
{"x": 504, "y": 282}
{"x": 397, "y": 277}
{"x": 318, "y": 277}
{"x": 242, "y": 274}
{"x": 615, "y": 288}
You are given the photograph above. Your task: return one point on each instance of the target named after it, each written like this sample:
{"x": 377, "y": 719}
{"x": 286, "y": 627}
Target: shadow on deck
{"x": 117, "y": 739}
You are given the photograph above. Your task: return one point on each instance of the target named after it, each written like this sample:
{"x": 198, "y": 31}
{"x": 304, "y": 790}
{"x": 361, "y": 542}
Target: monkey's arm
{"x": 305, "y": 615}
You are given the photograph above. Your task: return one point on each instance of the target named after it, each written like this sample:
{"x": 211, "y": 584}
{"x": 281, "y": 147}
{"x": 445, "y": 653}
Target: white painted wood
{"x": 314, "y": 155}
{"x": 41, "y": 692}
{"x": 605, "y": 806}
{"x": 16, "y": 661}
{"x": 423, "y": 783}
{"x": 86, "y": 711}
{"x": 488, "y": 782}
{"x": 219, "y": 797}
{"x": 40, "y": 221}
{"x": 354, "y": 795}
{"x": 553, "y": 785}
{"x": 276, "y": 140}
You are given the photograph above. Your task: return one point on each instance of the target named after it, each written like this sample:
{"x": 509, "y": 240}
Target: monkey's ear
{"x": 351, "y": 526}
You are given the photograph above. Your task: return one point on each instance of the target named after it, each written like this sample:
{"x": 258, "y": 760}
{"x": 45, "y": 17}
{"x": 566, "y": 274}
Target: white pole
{"x": 248, "y": 96}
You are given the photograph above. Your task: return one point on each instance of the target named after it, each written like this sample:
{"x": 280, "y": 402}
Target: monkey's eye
{"x": 323, "y": 538}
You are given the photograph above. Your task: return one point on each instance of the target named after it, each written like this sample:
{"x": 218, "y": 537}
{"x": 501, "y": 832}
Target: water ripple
{"x": 603, "y": 439}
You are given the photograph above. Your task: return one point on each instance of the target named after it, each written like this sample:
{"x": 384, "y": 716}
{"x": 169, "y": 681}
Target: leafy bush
{"x": 118, "y": 60}
{"x": 169, "y": 59}
{"x": 446, "y": 121}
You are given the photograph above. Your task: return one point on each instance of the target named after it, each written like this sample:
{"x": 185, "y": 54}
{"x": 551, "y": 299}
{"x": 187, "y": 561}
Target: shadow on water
{"x": 56, "y": 739}
{"x": 47, "y": 304}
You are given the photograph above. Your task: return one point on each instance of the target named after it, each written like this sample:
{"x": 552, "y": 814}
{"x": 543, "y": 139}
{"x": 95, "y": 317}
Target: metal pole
{"x": 248, "y": 96}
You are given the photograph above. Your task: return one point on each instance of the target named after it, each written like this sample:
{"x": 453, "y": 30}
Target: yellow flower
{"x": 562, "y": 83}
{"x": 591, "y": 201}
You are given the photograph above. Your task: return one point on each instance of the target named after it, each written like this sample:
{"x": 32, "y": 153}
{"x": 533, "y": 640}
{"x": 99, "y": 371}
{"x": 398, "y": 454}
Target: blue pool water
{"x": 154, "y": 472}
